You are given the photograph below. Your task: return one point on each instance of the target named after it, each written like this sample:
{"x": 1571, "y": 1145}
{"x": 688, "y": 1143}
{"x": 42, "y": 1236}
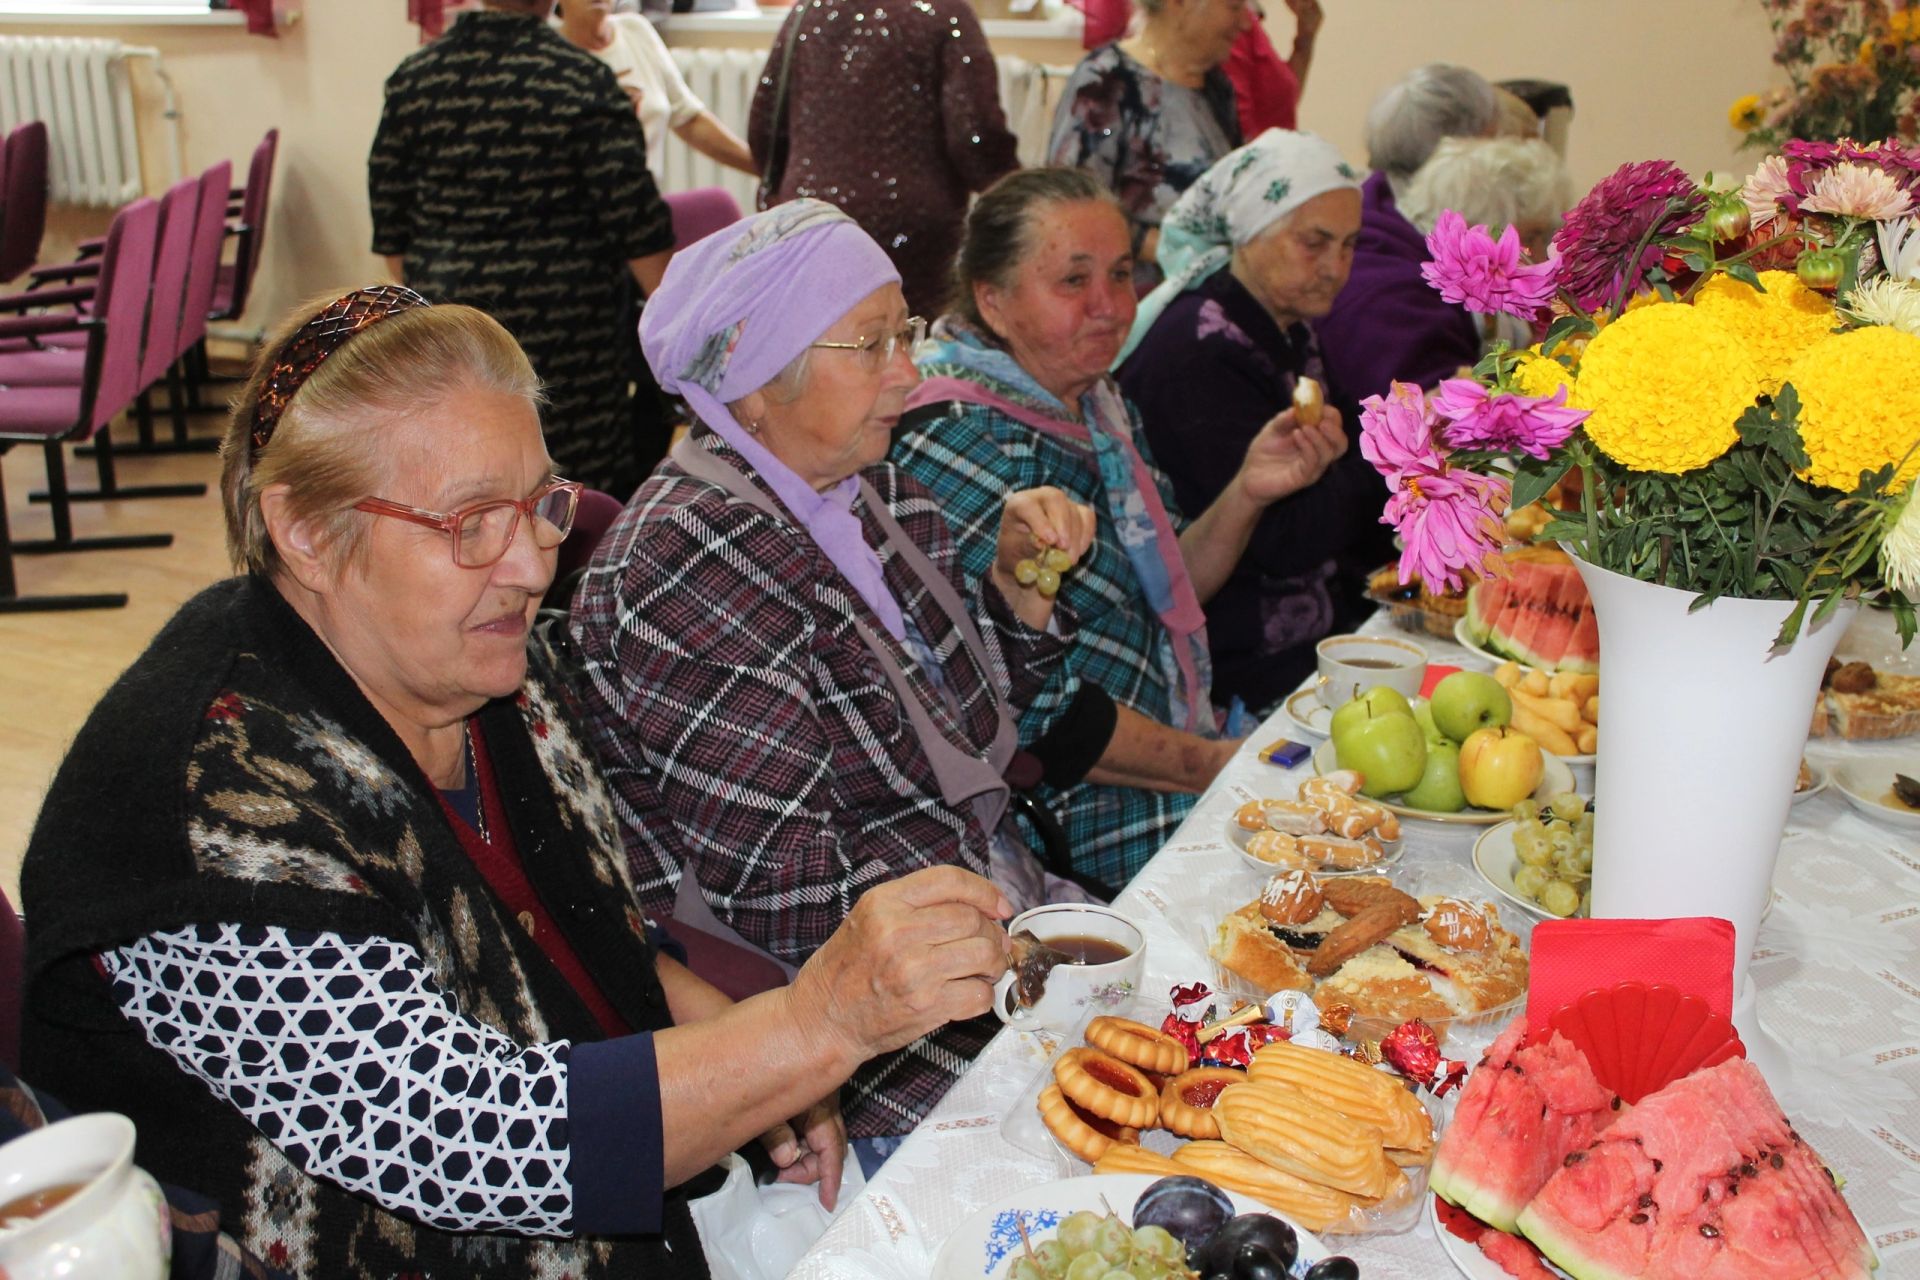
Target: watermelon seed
{"x": 1710, "y": 1231}
{"x": 1747, "y": 1170}
{"x": 1646, "y": 1200}
{"x": 1573, "y": 1158}
{"x": 1658, "y": 1166}
{"x": 1638, "y": 1219}
{"x": 1616, "y": 1103}
{"x": 1776, "y": 1161}
{"x": 1733, "y": 1188}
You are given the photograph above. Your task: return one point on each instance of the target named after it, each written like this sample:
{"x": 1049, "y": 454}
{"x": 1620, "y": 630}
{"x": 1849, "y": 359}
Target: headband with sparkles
{"x": 317, "y": 339}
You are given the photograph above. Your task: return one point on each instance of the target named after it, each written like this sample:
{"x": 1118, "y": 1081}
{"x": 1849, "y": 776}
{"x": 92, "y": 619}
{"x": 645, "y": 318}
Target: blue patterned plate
{"x": 985, "y": 1245}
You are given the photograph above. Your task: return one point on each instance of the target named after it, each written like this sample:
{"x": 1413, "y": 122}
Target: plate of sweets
{"x": 1141, "y": 1226}
{"x": 1326, "y": 828}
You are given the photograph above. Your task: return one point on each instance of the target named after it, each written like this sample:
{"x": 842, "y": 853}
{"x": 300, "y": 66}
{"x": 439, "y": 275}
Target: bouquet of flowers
{"x": 1853, "y": 68}
{"x": 1733, "y": 377}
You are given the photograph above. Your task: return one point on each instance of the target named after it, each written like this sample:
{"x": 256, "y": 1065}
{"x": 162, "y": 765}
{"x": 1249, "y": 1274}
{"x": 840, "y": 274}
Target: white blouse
{"x": 639, "y": 58}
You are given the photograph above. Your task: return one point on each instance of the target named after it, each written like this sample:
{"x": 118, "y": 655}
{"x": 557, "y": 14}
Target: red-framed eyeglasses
{"x": 482, "y": 531}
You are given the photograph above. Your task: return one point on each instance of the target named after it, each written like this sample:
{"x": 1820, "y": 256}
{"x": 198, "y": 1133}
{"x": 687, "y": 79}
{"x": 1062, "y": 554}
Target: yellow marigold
{"x": 1859, "y": 405}
{"x": 1665, "y": 383}
{"x": 1903, "y": 26}
{"x": 1538, "y": 375}
{"x": 1776, "y": 326}
{"x": 1745, "y": 113}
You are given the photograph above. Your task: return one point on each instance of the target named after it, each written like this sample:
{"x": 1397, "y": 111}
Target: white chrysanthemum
{"x": 1886, "y": 301}
{"x": 1853, "y": 190}
{"x": 1900, "y": 550}
{"x": 1764, "y": 189}
{"x": 1900, "y": 248}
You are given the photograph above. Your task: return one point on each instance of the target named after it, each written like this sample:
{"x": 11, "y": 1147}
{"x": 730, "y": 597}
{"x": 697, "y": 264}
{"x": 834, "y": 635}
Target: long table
{"x": 1838, "y": 968}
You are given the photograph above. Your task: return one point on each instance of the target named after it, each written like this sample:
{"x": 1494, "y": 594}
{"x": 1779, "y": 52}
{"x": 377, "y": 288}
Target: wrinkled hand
{"x": 812, "y": 1147}
{"x": 635, "y": 94}
{"x": 1287, "y": 456}
{"x": 1031, "y": 519}
{"x": 914, "y": 954}
{"x": 1307, "y": 17}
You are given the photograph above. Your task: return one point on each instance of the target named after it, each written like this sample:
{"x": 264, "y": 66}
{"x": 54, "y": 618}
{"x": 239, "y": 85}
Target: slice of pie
{"x": 1890, "y": 709}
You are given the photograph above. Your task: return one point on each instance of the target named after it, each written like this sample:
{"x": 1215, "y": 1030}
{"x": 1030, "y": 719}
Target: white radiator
{"x": 725, "y": 79}
{"x": 80, "y": 88}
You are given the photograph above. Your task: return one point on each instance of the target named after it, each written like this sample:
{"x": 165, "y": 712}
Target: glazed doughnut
{"x": 1104, "y": 1086}
{"x": 1088, "y": 1137}
{"x": 1138, "y": 1045}
{"x": 1251, "y": 816}
{"x": 1186, "y": 1104}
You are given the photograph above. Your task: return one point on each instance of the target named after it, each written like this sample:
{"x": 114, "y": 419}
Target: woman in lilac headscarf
{"x": 794, "y": 691}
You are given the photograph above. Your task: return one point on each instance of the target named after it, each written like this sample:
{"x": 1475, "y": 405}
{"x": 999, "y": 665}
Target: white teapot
{"x": 113, "y": 1224}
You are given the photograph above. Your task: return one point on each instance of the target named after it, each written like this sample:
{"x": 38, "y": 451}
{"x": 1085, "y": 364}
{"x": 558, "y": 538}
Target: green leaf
{"x": 1532, "y": 478}
{"x": 1744, "y": 272}
{"x": 1562, "y": 329}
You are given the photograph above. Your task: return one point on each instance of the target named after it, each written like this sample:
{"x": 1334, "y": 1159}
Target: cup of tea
{"x": 1106, "y": 957}
{"x": 1351, "y": 665}
{"x": 73, "y": 1203}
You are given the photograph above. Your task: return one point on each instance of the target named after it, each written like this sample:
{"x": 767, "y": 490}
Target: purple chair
{"x": 13, "y": 964}
{"x": 250, "y": 233}
{"x": 700, "y": 212}
{"x": 23, "y": 188}
{"x": 159, "y": 347}
{"x": 49, "y": 415}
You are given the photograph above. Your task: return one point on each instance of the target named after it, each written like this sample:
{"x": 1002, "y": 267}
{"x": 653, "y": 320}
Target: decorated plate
{"x": 1495, "y": 859}
{"x": 1308, "y": 714}
{"x": 985, "y": 1245}
{"x": 1239, "y": 836}
{"x": 1555, "y": 777}
{"x": 1868, "y": 787}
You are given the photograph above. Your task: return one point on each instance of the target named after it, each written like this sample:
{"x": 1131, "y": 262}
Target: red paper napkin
{"x": 1435, "y": 674}
{"x": 1572, "y": 957}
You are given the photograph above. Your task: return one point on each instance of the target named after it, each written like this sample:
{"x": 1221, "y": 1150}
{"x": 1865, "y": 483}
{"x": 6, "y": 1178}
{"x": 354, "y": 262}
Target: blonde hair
{"x": 326, "y": 446}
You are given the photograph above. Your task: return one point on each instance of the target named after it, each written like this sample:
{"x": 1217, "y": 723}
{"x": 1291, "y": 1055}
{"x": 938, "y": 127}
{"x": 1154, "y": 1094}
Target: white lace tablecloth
{"x": 1838, "y": 969}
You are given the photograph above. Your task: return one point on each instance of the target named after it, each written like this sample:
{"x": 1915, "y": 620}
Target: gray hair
{"x": 1000, "y": 227}
{"x": 1408, "y": 119}
{"x": 1499, "y": 182}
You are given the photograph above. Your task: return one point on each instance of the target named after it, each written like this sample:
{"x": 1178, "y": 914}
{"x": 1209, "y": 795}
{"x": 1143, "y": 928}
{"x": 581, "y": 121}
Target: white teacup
{"x": 1351, "y": 665}
{"x": 1075, "y": 993}
{"x": 114, "y": 1224}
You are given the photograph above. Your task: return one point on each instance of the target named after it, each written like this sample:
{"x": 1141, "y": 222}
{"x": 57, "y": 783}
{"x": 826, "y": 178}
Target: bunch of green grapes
{"x": 1555, "y": 845}
{"x": 1042, "y": 572}
{"x": 1090, "y": 1247}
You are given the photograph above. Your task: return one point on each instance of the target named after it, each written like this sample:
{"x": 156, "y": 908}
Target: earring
{"x": 753, "y": 428}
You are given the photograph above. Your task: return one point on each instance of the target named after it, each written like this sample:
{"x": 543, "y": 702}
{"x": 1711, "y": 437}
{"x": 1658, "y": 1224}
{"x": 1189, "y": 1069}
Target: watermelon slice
{"x": 1541, "y": 615}
{"x": 1485, "y": 600}
{"x": 1525, "y": 1109}
{"x": 1583, "y": 649}
{"x": 1704, "y": 1179}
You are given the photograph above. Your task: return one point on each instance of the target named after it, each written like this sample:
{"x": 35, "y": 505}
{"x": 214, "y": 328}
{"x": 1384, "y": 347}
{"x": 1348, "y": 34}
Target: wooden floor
{"x": 54, "y": 666}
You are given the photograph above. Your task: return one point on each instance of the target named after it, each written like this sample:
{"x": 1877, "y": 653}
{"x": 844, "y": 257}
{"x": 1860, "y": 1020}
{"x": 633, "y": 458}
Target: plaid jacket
{"x": 750, "y": 736}
{"x": 971, "y": 457}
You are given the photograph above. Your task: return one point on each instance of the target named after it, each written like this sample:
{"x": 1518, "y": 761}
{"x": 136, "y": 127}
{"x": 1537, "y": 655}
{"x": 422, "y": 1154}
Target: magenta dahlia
{"x": 1503, "y": 421}
{"x": 1396, "y": 433}
{"x": 1449, "y": 523}
{"x": 1636, "y": 203}
{"x": 1486, "y": 276}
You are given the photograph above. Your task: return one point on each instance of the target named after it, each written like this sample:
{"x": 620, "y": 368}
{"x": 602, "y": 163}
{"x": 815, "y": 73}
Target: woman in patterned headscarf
{"x": 329, "y": 894}
{"x": 1254, "y": 250}
{"x": 796, "y": 691}
{"x": 1018, "y": 394}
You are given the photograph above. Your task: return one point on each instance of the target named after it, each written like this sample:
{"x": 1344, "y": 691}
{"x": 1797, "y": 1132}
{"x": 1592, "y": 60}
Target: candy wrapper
{"x": 1413, "y": 1050}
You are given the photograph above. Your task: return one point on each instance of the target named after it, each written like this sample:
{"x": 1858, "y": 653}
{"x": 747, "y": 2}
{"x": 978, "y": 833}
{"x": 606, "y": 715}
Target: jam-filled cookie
{"x": 1087, "y": 1136}
{"x": 1139, "y": 1045}
{"x": 1104, "y": 1086}
{"x": 1186, "y": 1104}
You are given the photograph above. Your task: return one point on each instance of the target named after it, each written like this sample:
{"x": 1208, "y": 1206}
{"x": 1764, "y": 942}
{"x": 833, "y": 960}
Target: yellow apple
{"x": 1499, "y": 767}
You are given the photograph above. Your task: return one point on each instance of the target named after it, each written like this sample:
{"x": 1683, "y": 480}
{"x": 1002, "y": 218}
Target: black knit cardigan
{"x": 236, "y": 774}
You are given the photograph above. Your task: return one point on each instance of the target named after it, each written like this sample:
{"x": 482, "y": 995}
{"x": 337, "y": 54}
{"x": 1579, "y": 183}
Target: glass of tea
{"x": 1351, "y": 665}
{"x": 73, "y": 1203}
{"x": 1105, "y": 956}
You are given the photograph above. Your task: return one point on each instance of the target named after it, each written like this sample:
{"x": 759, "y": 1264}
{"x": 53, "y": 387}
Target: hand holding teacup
{"x": 1107, "y": 958}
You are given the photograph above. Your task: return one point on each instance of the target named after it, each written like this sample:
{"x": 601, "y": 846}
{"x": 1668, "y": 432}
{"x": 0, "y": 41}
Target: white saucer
{"x": 1308, "y": 714}
{"x": 1866, "y": 784}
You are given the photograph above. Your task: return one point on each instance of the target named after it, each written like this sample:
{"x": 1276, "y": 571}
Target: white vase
{"x": 1703, "y": 729}
{"x": 116, "y": 1225}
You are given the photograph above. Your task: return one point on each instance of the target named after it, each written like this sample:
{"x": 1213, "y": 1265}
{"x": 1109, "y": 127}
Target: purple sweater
{"x": 1389, "y": 324}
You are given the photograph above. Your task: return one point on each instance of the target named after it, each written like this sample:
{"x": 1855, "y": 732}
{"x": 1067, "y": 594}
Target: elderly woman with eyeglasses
{"x": 330, "y": 898}
{"x": 796, "y": 692}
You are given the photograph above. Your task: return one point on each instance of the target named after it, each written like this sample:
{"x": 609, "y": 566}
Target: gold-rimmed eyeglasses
{"x": 876, "y": 353}
{"x": 482, "y": 531}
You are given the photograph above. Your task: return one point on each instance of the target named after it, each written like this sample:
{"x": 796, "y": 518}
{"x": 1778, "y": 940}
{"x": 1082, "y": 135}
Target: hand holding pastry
{"x": 914, "y": 954}
{"x": 1290, "y": 454}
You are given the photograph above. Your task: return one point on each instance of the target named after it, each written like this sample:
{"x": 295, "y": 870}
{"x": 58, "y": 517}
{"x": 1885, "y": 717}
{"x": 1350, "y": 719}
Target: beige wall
{"x": 1641, "y": 82}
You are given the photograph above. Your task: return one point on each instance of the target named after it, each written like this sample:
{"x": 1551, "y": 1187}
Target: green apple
{"x": 1467, "y": 701}
{"x": 1423, "y": 712}
{"x": 1439, "y": 788}
{"x": 1375, "y": 701}
{"x": 1387, "y": 750}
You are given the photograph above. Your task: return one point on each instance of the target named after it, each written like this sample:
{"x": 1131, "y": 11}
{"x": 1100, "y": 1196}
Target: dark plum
{"x": 1257, "y": 1262}
{"x": 1191, "y": 1210}
{"x": 1334, "y": 1268}
{"x": 1264, "y": 1230}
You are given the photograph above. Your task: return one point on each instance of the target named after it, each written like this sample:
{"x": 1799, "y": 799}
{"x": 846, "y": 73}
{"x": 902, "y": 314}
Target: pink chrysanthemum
{"x": 1852, "y": 190}
{"x": 1807, "y": 161}
{"x": 1396, "y": 433}
{"x": 1504, "y": 422}
{"x": 1764, "y": 191}
{"x": 1449, "y": 523}
{"x": 1486, "y": 276}
{"x": 1636, "y": 203}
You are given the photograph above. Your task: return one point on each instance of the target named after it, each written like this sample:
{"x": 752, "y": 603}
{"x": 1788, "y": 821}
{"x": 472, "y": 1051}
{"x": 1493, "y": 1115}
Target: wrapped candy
{"x": 1413, "y": 1050}
{"x": 1231, "y": 1048}
{"x": 1187, "y": 1033}
{"x": 1192, "y": 1002}
{"x": 1293, "y": 1010}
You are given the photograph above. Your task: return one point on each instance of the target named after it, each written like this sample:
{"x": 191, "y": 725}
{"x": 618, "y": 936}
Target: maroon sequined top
{"x": 893, "y": 113}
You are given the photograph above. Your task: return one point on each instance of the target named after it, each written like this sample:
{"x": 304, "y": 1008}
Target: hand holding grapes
{"x": 1043, "y": 534}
